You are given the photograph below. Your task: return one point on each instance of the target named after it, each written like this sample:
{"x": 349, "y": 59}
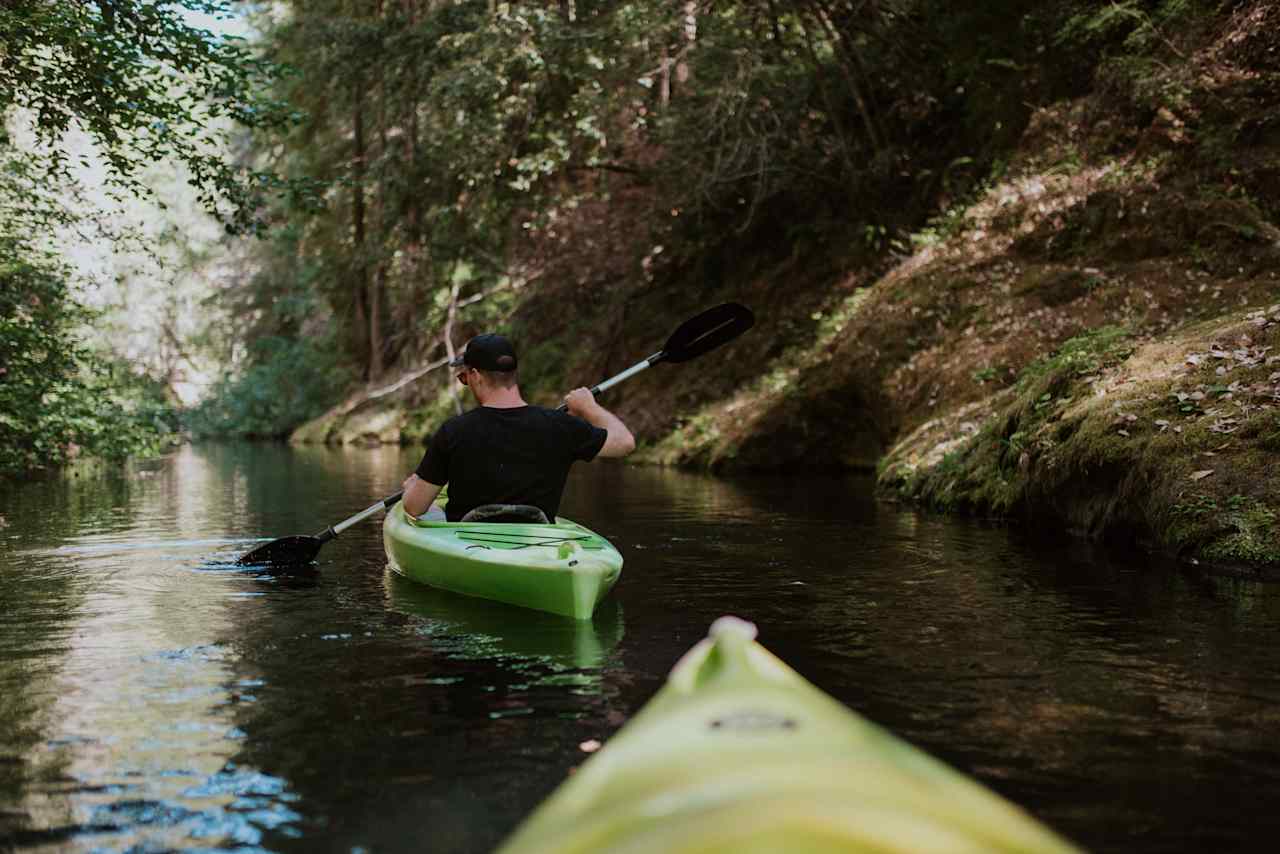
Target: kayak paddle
{"x": 303, "y": 549}
{"x": 697, "y": 335}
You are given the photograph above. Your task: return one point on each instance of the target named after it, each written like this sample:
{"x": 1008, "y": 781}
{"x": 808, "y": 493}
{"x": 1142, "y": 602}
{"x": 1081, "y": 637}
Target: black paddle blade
{"x": 288, "y": 551}
{"x": 707, "y": 331}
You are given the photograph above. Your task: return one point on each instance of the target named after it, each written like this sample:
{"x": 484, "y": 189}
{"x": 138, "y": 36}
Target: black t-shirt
{"x": 508, "y": 456}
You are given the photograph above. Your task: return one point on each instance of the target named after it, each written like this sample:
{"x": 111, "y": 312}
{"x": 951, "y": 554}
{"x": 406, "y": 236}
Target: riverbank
{"x": 1091, "y": 341}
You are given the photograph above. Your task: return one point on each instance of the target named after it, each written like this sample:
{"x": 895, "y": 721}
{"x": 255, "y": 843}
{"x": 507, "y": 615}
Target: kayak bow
{"x": 739, "y": 753}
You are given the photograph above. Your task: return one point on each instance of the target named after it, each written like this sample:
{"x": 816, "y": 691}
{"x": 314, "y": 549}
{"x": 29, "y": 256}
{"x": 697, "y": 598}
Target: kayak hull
{"x": 738, "y": 753}
{"x": 563, "y": 568}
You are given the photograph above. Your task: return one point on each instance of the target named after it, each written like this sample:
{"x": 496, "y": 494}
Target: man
{"x": 505, "y": 451}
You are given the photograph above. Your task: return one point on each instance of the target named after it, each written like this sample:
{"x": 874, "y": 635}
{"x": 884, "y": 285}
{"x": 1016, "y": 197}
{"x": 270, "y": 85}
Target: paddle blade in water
{"x": 707, "y": 331}
{"x": 287, "y": 551}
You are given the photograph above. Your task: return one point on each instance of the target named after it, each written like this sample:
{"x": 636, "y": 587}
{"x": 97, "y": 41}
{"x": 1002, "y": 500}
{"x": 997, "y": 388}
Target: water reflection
{"x": 115, "y": 723}
{"x": 466, "y": 627}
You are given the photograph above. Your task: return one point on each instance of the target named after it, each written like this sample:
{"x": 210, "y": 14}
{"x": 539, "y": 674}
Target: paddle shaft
{"x": 334, "y": 530}
{"x": 605, "y": 385}
{"x": 698, "y": 335}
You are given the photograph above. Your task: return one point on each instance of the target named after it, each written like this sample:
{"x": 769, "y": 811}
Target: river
{"x": 153, "y": 697}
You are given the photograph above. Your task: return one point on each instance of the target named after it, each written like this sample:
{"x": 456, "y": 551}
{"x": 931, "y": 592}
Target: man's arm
{"x": 418, "y": 494}
{"x": 582, "y": 403}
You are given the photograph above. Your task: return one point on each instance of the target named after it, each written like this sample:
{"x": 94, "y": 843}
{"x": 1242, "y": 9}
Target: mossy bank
{"x": 1088, "y": 340}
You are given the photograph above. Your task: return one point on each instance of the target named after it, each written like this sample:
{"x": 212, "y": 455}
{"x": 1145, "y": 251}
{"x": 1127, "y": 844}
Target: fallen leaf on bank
{"x": 1201, "y": 475}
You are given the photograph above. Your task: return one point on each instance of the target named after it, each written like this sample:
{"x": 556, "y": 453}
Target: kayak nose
{"x": 733, "y": 629}
{"x": 724, "y": 654}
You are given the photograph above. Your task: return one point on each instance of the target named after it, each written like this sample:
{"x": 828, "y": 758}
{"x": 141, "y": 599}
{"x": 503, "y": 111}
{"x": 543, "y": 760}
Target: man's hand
{"x": 418, "y": 494}
{"x": 580, "y": 402}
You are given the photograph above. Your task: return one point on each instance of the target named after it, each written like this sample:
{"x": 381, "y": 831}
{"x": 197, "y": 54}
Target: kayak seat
{"x": 506, "y": 513}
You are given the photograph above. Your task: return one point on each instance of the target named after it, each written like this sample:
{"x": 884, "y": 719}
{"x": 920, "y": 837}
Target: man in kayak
{"x": 505, "y": 451}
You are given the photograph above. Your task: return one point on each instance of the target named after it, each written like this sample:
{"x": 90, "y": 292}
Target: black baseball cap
{"x": 488, "y": 352}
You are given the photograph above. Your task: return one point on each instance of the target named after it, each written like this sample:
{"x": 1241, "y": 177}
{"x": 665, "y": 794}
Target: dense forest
{"x": 485, "y": 162}
{"x": 925, "y": 202}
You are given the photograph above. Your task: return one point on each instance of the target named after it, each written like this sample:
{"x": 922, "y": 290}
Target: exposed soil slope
{"x": 1094, "y": 342}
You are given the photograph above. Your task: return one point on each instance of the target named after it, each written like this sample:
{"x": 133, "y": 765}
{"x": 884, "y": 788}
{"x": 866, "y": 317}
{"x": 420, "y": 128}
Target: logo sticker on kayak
{"x": 752, "y": 720}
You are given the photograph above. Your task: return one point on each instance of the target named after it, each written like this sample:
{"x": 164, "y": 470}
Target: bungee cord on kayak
{"x": 513, "y": 541}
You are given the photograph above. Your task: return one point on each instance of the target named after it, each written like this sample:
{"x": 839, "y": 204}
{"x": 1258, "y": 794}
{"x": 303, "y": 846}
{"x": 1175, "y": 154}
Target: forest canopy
{"x": 410, "y": 170}
{"x": 142, "y": 84}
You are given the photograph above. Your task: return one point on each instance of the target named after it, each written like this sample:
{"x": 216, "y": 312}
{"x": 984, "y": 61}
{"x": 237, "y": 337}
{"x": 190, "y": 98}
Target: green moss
{"x": 1253, "y": 534}
{"x": 991, "y": 472}
{"x": 1082, "y": 355}
{"x": 1269, "y": 432}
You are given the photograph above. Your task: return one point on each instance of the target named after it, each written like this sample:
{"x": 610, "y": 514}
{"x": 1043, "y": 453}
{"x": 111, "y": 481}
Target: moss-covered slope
{"x": 1092, "y": 343}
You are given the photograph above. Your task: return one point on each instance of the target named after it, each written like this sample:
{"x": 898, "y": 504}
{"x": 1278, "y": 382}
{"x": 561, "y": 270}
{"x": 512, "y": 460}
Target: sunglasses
{"x": 462, "y": 375}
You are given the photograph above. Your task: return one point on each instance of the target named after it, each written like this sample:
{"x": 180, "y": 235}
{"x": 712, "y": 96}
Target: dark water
{"x": 151, "y": 700}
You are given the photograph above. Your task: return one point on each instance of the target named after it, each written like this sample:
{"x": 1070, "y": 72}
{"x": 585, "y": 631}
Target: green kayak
{"x": 562, "y": 567}
{"x": 738, "y": 753}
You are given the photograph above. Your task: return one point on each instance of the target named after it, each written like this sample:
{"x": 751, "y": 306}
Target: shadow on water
{"x": 152, "y": 697}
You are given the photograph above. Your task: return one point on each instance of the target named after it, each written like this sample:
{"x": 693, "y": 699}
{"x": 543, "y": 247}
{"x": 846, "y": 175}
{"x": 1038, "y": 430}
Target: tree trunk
{"x": 684, "y": 70}
{"x": 378, "y": 286}
{"x": 448, "y": 335}
{"x": 664, "y": 84}
{"x": 846, "y": 148}
{"x": 358, "y": 225}
{"x": 375, "y": 323}
{"x": 852, "y": 62}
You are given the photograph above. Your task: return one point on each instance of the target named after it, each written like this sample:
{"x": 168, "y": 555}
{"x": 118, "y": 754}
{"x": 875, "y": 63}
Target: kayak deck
{"x": 562, "y": 567}
{"x": 739, "y": 753}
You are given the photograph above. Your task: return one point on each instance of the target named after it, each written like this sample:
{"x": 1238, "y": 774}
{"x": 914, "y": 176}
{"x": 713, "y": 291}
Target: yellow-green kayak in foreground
{"x": 738, "y": 753}
{"x": 562, "y": 567}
